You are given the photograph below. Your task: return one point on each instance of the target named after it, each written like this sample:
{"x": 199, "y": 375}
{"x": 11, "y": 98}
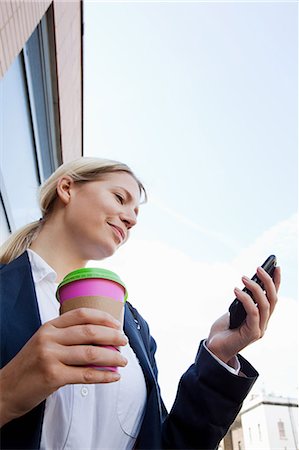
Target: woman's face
{"x": 99, "y": 214}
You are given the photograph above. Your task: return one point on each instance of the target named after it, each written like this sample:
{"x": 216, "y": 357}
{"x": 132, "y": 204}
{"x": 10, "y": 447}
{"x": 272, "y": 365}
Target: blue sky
{"x": 200, "y": 99}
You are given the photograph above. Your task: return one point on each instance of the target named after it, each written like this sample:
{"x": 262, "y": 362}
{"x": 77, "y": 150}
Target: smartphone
{"x": 237, "y": 313}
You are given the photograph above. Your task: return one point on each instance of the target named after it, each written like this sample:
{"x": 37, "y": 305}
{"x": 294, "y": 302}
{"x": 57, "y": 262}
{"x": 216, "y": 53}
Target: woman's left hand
{"x": 225, "y": 343}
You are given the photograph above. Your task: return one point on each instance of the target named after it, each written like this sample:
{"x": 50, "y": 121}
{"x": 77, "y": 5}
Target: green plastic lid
{"x": 90, "y": 272}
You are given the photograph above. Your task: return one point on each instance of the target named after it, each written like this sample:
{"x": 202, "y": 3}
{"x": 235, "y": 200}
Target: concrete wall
{"x": 255, "y": 430}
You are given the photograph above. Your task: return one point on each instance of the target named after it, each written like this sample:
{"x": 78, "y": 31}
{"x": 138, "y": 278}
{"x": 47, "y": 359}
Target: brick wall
{"x": 67, "y": 18}
{"x": 18, "y": 19}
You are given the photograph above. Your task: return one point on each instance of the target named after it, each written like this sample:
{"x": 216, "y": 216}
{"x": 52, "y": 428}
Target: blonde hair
{"x": 80, "y": 170}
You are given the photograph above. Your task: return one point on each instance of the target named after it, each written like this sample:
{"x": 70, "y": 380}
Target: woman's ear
{"x": 64, "y": 187}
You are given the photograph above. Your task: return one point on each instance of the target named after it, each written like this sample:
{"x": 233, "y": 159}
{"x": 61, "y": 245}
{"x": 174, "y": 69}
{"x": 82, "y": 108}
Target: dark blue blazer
{"x": 208, "y": 398}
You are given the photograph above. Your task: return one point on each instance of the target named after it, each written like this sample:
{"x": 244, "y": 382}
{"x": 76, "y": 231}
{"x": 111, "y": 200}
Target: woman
{"x": 50, "y": 397}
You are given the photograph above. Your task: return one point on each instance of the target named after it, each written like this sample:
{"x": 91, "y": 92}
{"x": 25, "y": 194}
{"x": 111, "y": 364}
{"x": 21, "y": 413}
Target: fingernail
{"x": 245, "y": 278}
{"x": 115, "y": 376}
{"x": 237, "y": 289}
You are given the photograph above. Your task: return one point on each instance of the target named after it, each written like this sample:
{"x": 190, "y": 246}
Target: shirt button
{"x": 84, "y": 391}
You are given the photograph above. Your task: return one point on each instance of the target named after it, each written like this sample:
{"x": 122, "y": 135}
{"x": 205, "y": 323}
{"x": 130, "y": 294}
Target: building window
{"x": 259, "y": 431}
{"x": 4, "y": 223}
{"x": 281, "y": 429}
{"x": 250, "y": 435}
{"x": 29, "y": 130}
{"x": 19, "y": 177}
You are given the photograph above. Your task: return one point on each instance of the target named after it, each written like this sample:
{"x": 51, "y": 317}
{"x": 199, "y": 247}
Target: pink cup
{"x": 93, "y": 288}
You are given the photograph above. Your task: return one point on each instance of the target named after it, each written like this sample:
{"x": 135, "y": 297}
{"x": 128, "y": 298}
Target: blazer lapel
{"x": 136, "y": 342}
{"x": 19, "y": 309}
{"x": 150, "y": 433}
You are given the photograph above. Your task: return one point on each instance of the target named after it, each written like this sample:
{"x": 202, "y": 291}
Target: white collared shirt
{"x": 93, "y": 416}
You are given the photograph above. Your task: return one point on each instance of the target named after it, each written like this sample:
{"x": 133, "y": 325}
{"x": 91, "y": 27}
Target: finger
{"x": 252, "y": 322}
{"x": 85, "y": 355}
{"x": 88, "y": 375}
{"x": 90, "y": 334}
{"x": 83, "y": 316}
{"x": 277, "y": 278}
{"x": 269, "y": 286}
{"x": 261, "y": 300}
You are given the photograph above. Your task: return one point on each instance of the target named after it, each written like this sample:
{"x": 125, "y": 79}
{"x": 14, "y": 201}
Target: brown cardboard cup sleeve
{"x": 109, "y": 305}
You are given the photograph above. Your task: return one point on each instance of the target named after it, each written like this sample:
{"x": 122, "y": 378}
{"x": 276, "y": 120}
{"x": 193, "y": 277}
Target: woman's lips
{"x": 118, "y": 232}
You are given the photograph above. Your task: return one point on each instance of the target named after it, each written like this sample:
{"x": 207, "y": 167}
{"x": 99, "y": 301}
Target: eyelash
{"x": 119, "y": 198}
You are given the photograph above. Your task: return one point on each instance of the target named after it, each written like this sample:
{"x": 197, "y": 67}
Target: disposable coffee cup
{"x": 93, "y": 288}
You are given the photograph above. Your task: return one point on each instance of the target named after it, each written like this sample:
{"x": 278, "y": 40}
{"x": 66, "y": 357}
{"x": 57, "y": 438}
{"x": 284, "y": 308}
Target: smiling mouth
{"x": 118, "y": 232}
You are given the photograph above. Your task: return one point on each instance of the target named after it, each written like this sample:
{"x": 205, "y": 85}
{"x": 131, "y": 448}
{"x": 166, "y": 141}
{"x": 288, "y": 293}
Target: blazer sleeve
{"x": 208, "y": 400}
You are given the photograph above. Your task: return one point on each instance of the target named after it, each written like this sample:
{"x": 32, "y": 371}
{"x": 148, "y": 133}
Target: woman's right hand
{"x": 56, "y": 355}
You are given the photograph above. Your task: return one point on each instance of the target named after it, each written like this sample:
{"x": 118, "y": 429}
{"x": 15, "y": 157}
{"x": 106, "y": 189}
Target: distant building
{"x": 265, "y": 423}
{"x": 270, "y": 423}
{"x": 234, "y": 438}
{"x": 41, "y": 100}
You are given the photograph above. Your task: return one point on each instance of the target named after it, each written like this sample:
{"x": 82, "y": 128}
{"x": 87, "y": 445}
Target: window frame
{"x": 38, "y": 58}
{"x": 43, "y": 96}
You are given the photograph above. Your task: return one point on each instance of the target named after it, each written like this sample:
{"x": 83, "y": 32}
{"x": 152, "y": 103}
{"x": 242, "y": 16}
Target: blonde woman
{"x": 50, "y": 398}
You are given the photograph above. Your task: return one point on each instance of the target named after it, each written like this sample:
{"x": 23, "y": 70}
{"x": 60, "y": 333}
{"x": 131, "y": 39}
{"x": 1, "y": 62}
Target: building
{"x": 270, "y": 422}
{"x": 41, "y": 100}
{"x": 265, "y": 422}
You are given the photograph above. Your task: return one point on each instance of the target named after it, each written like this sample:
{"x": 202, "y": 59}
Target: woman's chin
{"x": 103, "y": 253}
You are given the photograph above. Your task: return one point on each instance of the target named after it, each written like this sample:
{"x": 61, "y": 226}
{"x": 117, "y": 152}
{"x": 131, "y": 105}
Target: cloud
{"x": 181, "y": 297}
{"x": 276, "y": 355}
{"x": 282, "y": 240}
{"x": 220, "y": 237}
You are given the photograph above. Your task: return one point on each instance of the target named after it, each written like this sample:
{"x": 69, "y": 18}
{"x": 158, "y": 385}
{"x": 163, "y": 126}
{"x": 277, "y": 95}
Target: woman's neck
{"x": 55, "y": 248}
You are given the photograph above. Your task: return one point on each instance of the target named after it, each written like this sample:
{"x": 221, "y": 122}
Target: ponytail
{"x": 18, "y": 242}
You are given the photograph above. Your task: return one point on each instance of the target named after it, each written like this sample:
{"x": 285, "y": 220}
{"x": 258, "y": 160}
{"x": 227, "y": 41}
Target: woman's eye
{"x": 119, "y": 198}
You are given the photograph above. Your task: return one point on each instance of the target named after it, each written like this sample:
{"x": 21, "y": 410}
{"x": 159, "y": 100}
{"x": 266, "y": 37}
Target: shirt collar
{"x": 40, "y": 269}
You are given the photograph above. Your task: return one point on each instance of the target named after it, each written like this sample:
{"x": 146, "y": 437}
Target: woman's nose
{"x": 129, "y": 219}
